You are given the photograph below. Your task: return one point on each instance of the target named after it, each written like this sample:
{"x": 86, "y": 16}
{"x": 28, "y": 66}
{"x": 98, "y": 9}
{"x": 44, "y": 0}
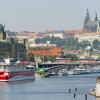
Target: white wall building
{"x": 42, "y": 45}
{"x": 59, "y": 34}
{"x": 88, "y": 36}
{"x": 28, "y": 36}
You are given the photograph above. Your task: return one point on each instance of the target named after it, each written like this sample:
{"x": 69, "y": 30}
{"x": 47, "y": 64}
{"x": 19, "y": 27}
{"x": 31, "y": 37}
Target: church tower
{"x": 91, "y": 25}
{"x": 2, "y": 33}
{"x": 96, "y": 17}
{"x": 87, "y": 18}
{"x": 97, "y": 23}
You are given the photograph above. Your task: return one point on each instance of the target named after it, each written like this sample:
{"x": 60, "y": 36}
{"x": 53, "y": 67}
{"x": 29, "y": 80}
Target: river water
{"x": 51, "y": 88}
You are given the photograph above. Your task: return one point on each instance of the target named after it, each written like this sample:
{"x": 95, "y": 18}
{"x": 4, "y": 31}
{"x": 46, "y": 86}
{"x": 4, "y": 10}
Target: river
{"x": 51, "y": 88}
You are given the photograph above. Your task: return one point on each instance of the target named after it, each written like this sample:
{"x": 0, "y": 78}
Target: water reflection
{"x": 4, "y": 90}
{"x": 10, "y": 90}
{"x": 53, "y": 88}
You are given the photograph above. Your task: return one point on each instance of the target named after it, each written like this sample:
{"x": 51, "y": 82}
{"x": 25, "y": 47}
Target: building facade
{"x": 91, "y": 25}
{"x": 27, "y": 38}
{"x": 90, "y": 37}
{"x": 2, "y": 33}
{"x": 10, "y": 48}
{"x": 55, "y": 33}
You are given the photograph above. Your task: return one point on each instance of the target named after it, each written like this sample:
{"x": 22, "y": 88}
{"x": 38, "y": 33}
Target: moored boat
{"x": 73, "y": 72}
{"x": 16, "y": 71}
{"x": 82, "y": 71}
{"x": 95, "y": 70}
{"x": 78, "y": 71}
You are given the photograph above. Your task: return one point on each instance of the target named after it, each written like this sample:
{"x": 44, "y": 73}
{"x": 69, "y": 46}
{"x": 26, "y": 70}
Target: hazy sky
{"x": 40, "y": 15}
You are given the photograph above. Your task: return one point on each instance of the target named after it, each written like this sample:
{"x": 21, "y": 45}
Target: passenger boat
{"x": 16, "y": 71}
{"x": 95, "y": 70}
{"x": 73, "y": 72}
{"x": 78, "y": 71}
{"x": 83, "y": 71}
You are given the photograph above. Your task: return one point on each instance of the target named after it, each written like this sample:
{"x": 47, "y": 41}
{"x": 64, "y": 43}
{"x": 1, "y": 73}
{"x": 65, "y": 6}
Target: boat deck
{"x": 93, "y": 93}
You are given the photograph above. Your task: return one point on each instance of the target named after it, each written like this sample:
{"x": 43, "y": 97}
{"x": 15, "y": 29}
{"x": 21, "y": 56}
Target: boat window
{"x": 22, "y": 67}
{"x": 27, "y": 67}
{"x": 4, "y": 67}
{"x": 0, "y": 67}
{"x": 30, "y": 67}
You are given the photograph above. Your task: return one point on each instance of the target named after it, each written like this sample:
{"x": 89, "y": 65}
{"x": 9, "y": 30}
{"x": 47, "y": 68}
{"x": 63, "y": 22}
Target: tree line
{"x": 69, "y": 43}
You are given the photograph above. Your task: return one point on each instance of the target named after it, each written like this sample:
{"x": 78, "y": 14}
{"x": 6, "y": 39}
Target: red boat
{"x": 16, "y": 71}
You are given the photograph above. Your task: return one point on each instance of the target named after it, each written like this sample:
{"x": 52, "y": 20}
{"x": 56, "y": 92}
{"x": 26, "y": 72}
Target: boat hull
{"x": 17, "y": 76}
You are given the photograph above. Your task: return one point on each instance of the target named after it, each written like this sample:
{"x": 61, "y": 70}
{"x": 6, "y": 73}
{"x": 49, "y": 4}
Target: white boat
{"x": 77, "y": 71}
{"x": 82, "y": 71}
{"x": 73, "y": 72}
{"x": 95, "y": 70}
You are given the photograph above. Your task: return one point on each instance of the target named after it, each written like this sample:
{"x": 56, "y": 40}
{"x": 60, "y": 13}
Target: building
{"x": 90, "y": 37}
{"x": 74, "y": 52}
{"x": 43, "y": 45}
{"x": 71, "y": 33}
{"x": 55, "y": 33}
{"x": 27, "y": 38}
{"x": 52, "y": 52}
{"x": 2, "y": 33}
{"x": 41, "y": 35}
{"x": 10, "y": 35}
{"x": 10, "y": 48}
{"x": 17, "y": 50}
{"x": 91, "y": 25}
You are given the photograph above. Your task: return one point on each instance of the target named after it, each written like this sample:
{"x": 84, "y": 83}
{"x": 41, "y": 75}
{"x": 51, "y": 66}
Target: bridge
{"x": 56, "y": 67}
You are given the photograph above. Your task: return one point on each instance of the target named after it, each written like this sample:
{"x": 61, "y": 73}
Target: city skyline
{"x": 36, "y": 15}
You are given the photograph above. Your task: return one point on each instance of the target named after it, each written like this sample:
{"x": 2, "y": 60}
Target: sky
{"x": 41, "y": 15}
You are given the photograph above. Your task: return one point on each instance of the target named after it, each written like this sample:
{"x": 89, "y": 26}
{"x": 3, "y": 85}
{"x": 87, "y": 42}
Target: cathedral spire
{"x": 96, "y": 17}
{"x": 87, "y": 15}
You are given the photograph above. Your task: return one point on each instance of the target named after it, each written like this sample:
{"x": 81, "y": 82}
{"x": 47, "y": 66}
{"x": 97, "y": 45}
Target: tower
{"x": 87, "y": 18}
{"x": 2, "y": 32}
{"x": 91, "y": 25}
{"x": 96, "y": 17}
{"x": 97, "y": 23}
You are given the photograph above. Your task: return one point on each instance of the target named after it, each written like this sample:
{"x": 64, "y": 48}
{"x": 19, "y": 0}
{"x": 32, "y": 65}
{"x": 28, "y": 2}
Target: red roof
{"x": 52, "y": 52}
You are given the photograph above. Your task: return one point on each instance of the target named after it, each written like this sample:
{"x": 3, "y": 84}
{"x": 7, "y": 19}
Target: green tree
{"x": 69, "y": 43}
{"x": 31, "y": 58}
{"x": 96, "y": 44}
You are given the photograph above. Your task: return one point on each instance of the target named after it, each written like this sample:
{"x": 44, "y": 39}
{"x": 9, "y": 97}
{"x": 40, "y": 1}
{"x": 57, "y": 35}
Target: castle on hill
{"x": 91, "y": 25}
